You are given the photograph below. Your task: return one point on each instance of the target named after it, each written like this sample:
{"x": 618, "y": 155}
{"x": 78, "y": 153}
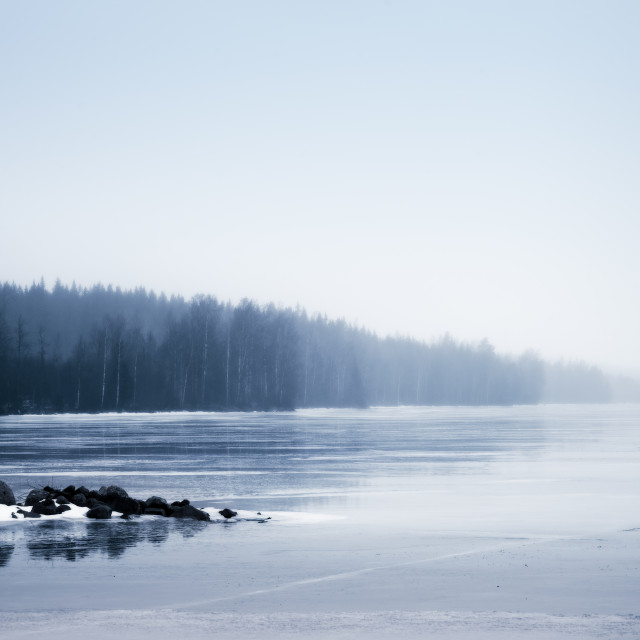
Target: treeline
{"x": 103, "y": 349}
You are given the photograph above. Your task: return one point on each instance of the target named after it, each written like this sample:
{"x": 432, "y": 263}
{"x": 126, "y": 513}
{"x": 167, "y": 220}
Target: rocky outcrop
{"x": 102, "y": 503}
{"x": 119, "y": 500}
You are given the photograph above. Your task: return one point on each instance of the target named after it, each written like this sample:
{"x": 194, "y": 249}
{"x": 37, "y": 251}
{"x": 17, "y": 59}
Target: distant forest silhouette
{"x": 104, "y": 349}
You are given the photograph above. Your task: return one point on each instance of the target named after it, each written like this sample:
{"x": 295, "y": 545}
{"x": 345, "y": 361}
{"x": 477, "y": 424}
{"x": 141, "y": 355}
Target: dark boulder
{"x": 187, "y": 511}
{"x": 61, "y": 508}
{"x": 116, "y": 492}
{"x": 62, "y": 500}
{"x": 28, "y": 514}
{"x": 83, "y": 490}
{"x": 155, "y": 511}
{"x": 94, "y": 502}
{"x": 182, "y": 503}
{"x": 155, "y": 504}
{"x": 156, "y": 501}
{"x": 79, "y": 499}
{"x": 46, "y": 507}
{"x": 49, "y": 489}
{"x": 126, "y": 506}
{"x": 70, "y": 490}
{"x": 227, "y": 513}
{"x": 101, "y": 512}
{"x": 6, "y": 494}
{"x": 35, "y": 495}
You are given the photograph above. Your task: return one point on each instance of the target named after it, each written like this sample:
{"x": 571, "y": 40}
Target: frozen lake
{"x": 499, "y": 522}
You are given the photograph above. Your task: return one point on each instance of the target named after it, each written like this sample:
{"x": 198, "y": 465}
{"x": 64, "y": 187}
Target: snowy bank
{"x": 16, "y": 513}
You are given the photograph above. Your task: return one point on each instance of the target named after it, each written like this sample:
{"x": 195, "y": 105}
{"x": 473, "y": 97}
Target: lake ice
{"x": 448, "y": 522}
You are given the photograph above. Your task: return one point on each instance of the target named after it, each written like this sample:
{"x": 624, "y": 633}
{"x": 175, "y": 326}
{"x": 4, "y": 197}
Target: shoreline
{"x": 102, "y": 504}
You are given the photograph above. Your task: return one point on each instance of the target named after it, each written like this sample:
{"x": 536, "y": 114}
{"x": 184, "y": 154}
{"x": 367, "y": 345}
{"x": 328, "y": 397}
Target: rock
{"x": 13, "y": 515}
{"x": 6, "y": 494}
{"x": 187, "y": 511}
{"x": 35, "y": 495}
{"x": 116, "y": 492}
{"x": 126, "y": 506}
{"x": 156, "y": 503}
{"x": 105, "y": 501}
{"x": 101, "y": 512}
{"x": 79, "y": 499}
{"x": 46, "y": 507}
{"x": 94, "y": 502}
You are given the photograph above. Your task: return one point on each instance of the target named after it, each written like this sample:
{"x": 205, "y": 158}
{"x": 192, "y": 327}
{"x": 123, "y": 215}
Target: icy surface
{"x": 420, "y": 522}
{"x": 435, "y": 625}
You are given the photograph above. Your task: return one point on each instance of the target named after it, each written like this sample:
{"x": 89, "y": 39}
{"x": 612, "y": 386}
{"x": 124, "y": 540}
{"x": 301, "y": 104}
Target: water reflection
{"x": 60, "y": 540}
{"x": 6, "y": 551}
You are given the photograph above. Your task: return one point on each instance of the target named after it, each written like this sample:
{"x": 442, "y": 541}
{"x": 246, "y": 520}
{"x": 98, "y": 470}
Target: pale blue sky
{"x": 415, "y": 167}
